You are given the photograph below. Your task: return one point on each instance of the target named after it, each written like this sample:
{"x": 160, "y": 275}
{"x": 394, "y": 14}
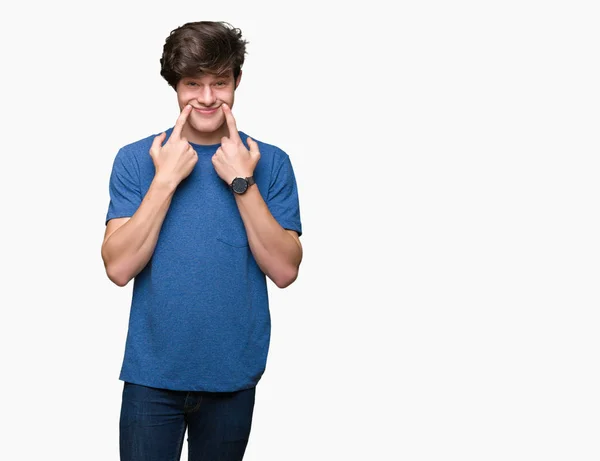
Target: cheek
{"x": 219, "y": 118}
{"x": 182, "y": 101}
{"x": 226, "y": 96}
{"x": 184, "y": 96}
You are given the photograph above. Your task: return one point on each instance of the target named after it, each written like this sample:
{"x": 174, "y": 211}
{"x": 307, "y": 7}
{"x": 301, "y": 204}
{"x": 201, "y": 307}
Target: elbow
{"x": 120, "y": 282}
{"x": 117, "y": 279}
{"x": 117, "y": 273}
{"x": 116, "y": 276}
{"x": 285, "y": 278}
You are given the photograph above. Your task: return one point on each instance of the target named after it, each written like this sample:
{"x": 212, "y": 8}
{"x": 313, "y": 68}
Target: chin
{"x": 200, "y": 121}
{"x": 206, "y": 127}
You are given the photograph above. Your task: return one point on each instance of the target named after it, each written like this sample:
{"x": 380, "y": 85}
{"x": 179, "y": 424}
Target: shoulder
{"x": 135, "y": 153}
{"x": 266, "y": 149}
{"x": 271, "y": 156}
{"x": 141, "y": 146}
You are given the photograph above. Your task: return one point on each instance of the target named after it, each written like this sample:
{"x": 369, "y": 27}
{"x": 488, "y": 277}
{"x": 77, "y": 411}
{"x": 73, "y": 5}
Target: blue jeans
{"x": 153, "y": 423}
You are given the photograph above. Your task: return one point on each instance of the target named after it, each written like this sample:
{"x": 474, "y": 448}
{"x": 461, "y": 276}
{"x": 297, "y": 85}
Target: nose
{"x": 207, "y": 96}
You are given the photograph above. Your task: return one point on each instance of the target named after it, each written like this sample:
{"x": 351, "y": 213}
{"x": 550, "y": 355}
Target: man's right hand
{"x": 176, "y": 159}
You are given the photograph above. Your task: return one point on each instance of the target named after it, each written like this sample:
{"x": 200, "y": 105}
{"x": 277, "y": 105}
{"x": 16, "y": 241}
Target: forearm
{"x": 128, "y": 249}
{"x": 276, "y": 252}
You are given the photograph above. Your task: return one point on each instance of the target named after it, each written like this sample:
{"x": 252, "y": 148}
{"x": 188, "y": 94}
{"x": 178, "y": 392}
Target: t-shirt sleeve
{"x": 283, "y": 197}
{"x": 124, "y": 188}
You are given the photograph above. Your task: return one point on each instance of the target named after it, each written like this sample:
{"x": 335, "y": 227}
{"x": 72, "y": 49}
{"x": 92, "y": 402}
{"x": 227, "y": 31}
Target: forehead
{"x": 210, "y": 76}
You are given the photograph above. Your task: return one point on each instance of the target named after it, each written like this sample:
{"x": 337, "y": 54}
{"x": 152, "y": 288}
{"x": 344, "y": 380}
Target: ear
{"x": 239, "y": 79}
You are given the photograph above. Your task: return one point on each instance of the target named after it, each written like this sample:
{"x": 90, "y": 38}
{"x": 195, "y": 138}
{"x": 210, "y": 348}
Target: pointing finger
{"x": 181, "y": 121}
{"x": 233, "y": 132}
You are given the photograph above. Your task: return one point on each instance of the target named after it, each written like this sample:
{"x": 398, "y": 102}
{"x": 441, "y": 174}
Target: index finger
{"x": 233, "y": 131}
{"x": 183, "y": 116}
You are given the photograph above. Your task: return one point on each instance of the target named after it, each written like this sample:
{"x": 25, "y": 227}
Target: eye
{"x": 191, "y": 83}
{"x": 221, "y": 83}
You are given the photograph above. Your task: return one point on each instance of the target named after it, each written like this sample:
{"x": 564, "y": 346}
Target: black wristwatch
{"x": 241, "y": 185}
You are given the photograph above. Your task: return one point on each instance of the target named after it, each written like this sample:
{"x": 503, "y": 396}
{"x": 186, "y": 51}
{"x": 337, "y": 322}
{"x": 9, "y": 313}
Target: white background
{"x": 447, "y": 162}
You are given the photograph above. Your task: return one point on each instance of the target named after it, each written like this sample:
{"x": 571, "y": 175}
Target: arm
{"x": 277, "y": 251}
{"x": 129, "y": 243}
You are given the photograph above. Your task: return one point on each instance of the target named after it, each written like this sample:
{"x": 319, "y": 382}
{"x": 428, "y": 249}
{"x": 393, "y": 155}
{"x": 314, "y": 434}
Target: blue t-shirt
{"x": 199, "y": 318}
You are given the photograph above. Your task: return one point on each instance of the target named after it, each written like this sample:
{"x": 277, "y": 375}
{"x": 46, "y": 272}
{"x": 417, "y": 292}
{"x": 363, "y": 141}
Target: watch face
{"x": 239, "y": 185}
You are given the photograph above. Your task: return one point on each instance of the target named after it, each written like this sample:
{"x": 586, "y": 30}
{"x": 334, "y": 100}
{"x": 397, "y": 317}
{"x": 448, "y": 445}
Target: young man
{"x": 199, "y": 216}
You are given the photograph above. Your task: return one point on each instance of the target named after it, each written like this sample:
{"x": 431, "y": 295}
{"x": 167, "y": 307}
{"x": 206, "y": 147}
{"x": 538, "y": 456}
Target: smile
{"x": 206, "y": 111}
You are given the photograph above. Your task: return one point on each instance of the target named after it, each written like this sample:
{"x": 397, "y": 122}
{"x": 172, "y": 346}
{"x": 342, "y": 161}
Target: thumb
{"x": 157, "y": 142}
{"x": 252, "y": 145}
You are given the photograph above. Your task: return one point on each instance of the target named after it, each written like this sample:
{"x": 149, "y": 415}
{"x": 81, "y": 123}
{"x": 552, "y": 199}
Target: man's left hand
{"x": 232, "y": 159}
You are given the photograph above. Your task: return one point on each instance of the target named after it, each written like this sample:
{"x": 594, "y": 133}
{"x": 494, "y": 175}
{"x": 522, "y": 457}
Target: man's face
{"x": 206, "y": 123}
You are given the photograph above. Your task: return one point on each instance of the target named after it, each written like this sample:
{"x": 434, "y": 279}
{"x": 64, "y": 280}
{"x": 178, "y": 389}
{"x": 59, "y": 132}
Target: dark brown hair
{"x": 202, "y": 47}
